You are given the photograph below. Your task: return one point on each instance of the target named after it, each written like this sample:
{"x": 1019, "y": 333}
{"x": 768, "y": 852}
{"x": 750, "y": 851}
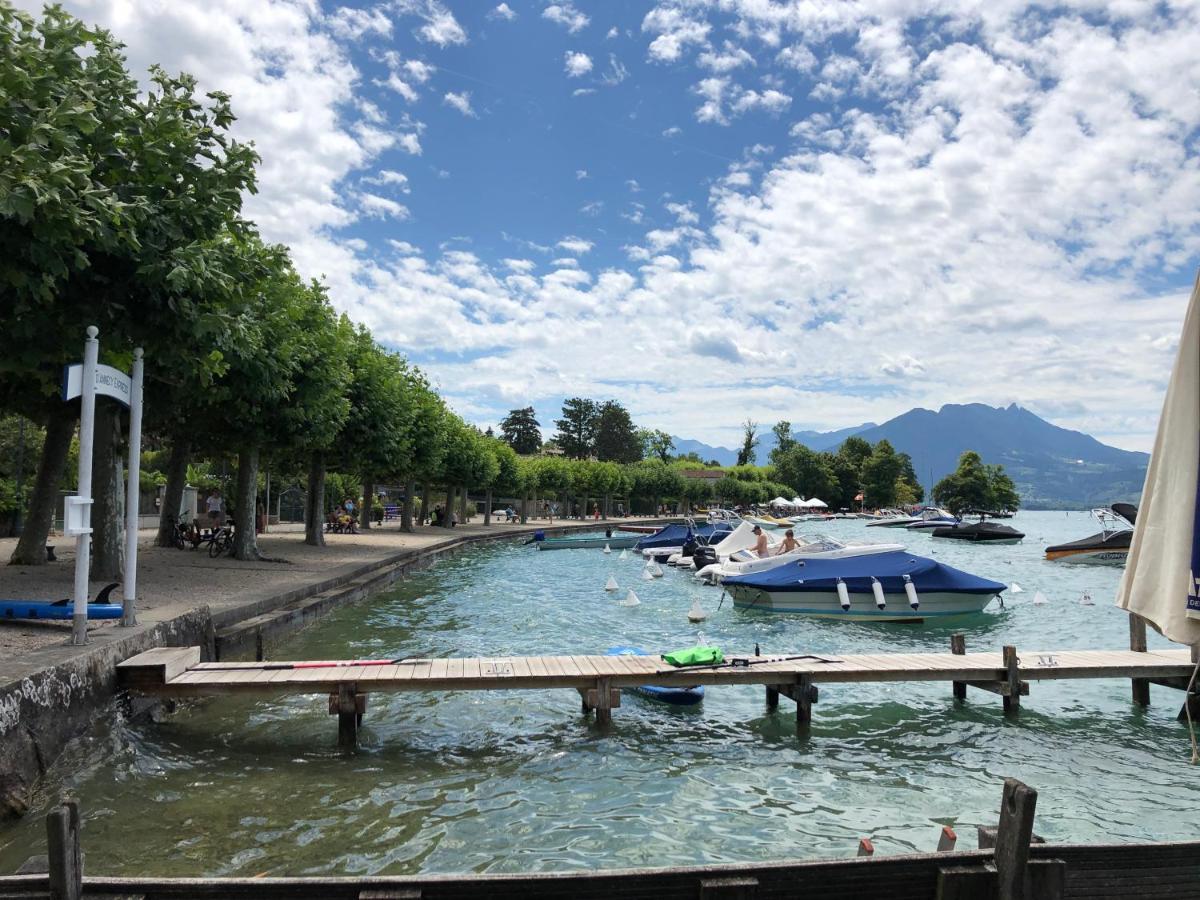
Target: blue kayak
{"x": 60, "y": 609}
{"x": 676, "y": 696}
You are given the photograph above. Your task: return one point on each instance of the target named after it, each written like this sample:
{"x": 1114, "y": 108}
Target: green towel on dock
{"x": 695, "y": 656}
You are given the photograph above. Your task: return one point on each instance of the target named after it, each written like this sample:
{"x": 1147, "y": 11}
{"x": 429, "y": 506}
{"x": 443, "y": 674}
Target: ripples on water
{"x": 519, "y": 781}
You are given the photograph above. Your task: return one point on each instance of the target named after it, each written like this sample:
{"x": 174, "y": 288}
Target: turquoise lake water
{"x": 520, "y": 781}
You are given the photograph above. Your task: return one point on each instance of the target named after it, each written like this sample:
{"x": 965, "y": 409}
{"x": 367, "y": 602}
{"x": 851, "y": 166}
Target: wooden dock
{"x": 178, "y": 672}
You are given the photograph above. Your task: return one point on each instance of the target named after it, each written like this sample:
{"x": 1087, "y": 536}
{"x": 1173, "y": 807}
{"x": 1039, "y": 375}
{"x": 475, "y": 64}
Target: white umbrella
{"x": 816, "y": 503}
{"x": 797, "y": 502}
{"x": 781, "y": 501}
{"x": 1160, "y": 582}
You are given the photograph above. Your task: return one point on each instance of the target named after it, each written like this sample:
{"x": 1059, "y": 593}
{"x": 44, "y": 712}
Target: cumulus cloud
{"x": 440, "y": 26}
{"x": 391, "y": 178}
{"x": 503, "y": 11}
{"x": 377, "y": 207}
{"x": 675, "y": 29}
{"x": 576, "y": 245}
{"x": 566, "y": 15}
{"x": 576, "y": 64}
{"x": 460, "y": 101}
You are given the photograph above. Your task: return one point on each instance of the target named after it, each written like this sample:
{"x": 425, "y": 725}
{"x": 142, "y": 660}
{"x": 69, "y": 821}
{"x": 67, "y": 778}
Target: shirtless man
{"x": 760, "y": 545}
{"x": 789, "y": 543}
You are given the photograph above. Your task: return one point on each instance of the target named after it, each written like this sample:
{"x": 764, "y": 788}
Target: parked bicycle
{"x": 221, "y": 541}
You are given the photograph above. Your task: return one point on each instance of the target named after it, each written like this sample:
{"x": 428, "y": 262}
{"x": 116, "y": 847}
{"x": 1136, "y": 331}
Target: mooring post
{"x": 348, "y": 716}
{"x": 1012, "y": 838}
{"x": 958, "y": 646}
{"x": 606, "y": 700}
{"x": 1137, "y": 643}
{"x": 806, "y": 696}
{"x": 1012, "y": 699}
{"x": 946, "y": 840}
{"x": 772, "y": 697}
{"x": 63, "y": 852}
{"x": 1191, "y": 701}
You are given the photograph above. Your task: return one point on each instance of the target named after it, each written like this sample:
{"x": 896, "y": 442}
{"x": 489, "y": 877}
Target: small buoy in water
{"x": 1086, "y": 600}
{"x": 631, "y": 599}
{"x": 696, "y": 614}
{"x": 1016, "y": 588}
{"x": 624, "y": 555}
{"x": 611, "y": 584}
{"x": 646, "y": 576}
{"x": 656, "y": 571}
{"x": 607, "y": 549}
{"x": 1039, "y": 599}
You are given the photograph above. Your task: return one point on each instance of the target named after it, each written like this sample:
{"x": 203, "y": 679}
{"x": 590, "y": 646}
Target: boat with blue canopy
{"x": 880, "y": 587}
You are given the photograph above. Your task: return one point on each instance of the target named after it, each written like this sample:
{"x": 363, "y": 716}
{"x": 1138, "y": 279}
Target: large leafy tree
{"x": 522, "y": 431}
{"x": 879, "y": 474}
{"x": 807, "y": 472}
{"x": 976, "y": 486}
{"x": 783, "y": 438}
{"x": 577, "y": 428}
{"x": 658, "y": 444}
{"x": 617, "y": 439}
{"x": 746, "y": 454}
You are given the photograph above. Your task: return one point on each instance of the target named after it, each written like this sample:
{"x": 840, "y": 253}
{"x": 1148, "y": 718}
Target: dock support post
{"x": 958, "y": 646}
{"x": 63, "y": 852}
{"x": 772, "y": 697}
{"x": 603, "y": 698}
{"x": 1013, "y": 836}
{"x": 1137, "y": 643}
{"x": 347, "y": 717}
{"x": 1012, "y": 698}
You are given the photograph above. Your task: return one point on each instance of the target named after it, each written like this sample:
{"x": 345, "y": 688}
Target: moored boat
{"x": 588, "y": 542}
{"x": 1109, "y": 547}
{"x": 981, "y": 532}
{"x": 744, "y": 562}
{"x": 931, "y": 518}
{"x": 884, "y": 587}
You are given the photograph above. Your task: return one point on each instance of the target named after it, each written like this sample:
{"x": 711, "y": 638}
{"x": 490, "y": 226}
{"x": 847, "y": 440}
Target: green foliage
{"x": 616, "y": 438}
{"x": 806, "y": 473}
{"x": 879, "y": 474}
{"x": 655, "y": 480}
{"x": 975, "y": 486}
{"x": 521, "y": 430}
{"x": 746, "y": 453}
{"x": 656, "y": 443}
{"x": 577, "y": 428}
{"x": 783, "y": 438}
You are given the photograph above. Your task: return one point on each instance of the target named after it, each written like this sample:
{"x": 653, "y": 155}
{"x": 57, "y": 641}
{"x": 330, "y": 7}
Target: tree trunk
{"x": 607, "y": 505}
{"x": 314, "y": 514}
{"x": 245, "y": 541}
{"x": 31, "y": 548}
{"x": 406, "y": 511}
{"x": 462, "y": 506}
{"x": 447, "y": 507}
{"x": 524, "y": 509}
{"x": 108, "y": 533}
{"x": 487, "y": 508}
{"x": 173, "y": 493}
{"x": 368, "y": 503}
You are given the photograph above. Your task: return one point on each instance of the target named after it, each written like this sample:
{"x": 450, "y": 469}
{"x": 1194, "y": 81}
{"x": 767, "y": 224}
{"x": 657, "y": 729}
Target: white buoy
{"x": 877, "y": 590}
{"x": 607, "y": 549}
{"x": 843, "y": 595}
{"x": 1016, "y": 588}
{"x": 696, "y": 614}
{"x": 911, "y": 590}
{"x": 656, "y": 571}
{"x": 1086, "y": 600}
{"x": 631, "y": 599}
{"x": 624, "y": 555}
{"x": 611, "y": 584}
{"x": 646, "y": 576}
{"x": 1039, "y": 599}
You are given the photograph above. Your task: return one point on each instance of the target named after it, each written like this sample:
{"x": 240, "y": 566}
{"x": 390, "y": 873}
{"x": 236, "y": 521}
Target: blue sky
{"x": 718, "y": 209}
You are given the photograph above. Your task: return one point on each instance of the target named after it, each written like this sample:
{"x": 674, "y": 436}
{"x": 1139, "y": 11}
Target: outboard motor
{"x": 689, "y": 547}
{"x": 703, "y": 556}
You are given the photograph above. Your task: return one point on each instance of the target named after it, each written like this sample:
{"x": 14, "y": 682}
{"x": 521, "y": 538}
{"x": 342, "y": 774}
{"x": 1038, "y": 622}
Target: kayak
{"x": 676, "y": 696}
{"x": 49, "y": 609}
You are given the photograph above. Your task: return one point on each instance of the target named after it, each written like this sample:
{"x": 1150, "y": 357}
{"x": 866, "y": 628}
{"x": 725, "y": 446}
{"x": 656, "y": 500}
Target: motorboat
{"x": 895, "y": 521}
{"x": 981, "y": 532}
{"x": 1109, "y": 547}
{"x": 743, "y": 538}
{"x": 674, "y": 538}
{"x": 745, "y": 562}
{"x": 932, "y": 517}
{"x": 895, "y": 586}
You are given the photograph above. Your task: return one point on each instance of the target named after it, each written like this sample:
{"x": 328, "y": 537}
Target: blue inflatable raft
{"x": 60, "y": 609}
{"x": 676, "y": 696}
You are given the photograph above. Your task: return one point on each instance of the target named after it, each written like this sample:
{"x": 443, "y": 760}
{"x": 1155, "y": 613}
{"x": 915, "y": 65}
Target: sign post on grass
{"x": 80, "y": 524}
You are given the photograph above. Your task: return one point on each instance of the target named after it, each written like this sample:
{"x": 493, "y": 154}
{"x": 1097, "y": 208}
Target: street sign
{"x": 109, "y": 381}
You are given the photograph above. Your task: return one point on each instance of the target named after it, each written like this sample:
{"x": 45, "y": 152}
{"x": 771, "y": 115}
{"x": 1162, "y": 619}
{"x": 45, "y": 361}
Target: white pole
{"x": 133, "y": 490}
{"x": 83, "y": 542}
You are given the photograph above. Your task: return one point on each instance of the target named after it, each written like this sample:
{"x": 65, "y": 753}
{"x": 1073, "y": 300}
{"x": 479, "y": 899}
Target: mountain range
{"x": 1052, "y": 467}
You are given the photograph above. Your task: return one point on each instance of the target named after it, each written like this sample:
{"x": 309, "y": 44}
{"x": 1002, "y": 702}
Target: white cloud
{"x": 403, "y": 247}
{"x": 347, "y": 22}
{"x": 724, "y": 100}
{"x": 632, "y": 184}
{"x": 576, "y": 245}
{"x": 440, "y": 26}
{"x": 726, "y": 60}
{"x": 576, "y": 64}
{"x": 521, "y": 265}
{"x": 419, "y": 70}
{"x": 503, "y": 11}
{"x": 616, "y": 72}
{"x": 675, "y": 29}
{"x": 377, "y": 207}
{"x": 673, "y": 131}
{"x": 460, "y": 101}
{"x": 391, "y": 178}
{"x": 582, "y": 92}
{"x": 581, "y": 174}
{"x": 612, "y": 33}
{"x": 410, "y": 143}
{"x": 592, "y": 209}
{"x": 566, "y": 15}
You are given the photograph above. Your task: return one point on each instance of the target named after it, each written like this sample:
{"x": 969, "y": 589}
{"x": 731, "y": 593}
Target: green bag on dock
{"x": 695, "y": 656}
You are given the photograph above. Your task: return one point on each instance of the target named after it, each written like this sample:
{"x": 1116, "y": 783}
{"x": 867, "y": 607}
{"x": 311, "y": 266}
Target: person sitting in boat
{"x": 788, "y": 544}
{"x": 760, "y": 543}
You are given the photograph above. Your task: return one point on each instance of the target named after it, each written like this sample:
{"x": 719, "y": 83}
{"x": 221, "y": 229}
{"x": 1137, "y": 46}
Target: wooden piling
{"x": 1017, "y": 809}
{"x": 865, "y": 847}
{"x": 946, "y": 840}
{"x": 63, "y": 851}
{"x": 772, "y": 697}
{"x": 348, "y": 717}
{"x": 1012, "y": 696}
{"x": 1137, "y": 642}
{"x": 958, "y": 646}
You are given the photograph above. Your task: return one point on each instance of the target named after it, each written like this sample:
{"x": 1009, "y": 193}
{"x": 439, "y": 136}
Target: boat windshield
{"x": 1111, "y": 522}
{"x": 820, "y": 543}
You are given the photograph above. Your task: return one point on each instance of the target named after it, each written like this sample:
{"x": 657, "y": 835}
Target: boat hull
{"x": 616, "y": 542}
{"x": 826, "y": 605}
{"x": 1096, "y": 557}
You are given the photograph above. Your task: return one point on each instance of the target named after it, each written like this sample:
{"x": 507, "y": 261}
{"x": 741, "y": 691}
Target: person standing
{"x": 760, "y": 543}
{"x": 213, "y": 506}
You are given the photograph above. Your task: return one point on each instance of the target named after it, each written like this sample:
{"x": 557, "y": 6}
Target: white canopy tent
{"x": 816, "y": 503}
{"x": 1161, "y": 575}
{"x": 797, "y": 502}
{"x": 781, "y": 501}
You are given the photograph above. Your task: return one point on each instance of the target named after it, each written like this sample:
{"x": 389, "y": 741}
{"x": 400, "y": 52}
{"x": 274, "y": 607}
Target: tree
{"x": 805, "y": 472}
{"x": 616, "y": 438}
{"x": 657, "y": 444}
{"x": 975, "y": 486}
{"x": 879, "y": 474}
{"x": 783, "y": 438}
{"x": 577, "y": 428}
{"x": 522, "y": 431}
{"x": 912, "y": 484}
{"x": 746, "y": 454}
{"x": 847, "y": 466}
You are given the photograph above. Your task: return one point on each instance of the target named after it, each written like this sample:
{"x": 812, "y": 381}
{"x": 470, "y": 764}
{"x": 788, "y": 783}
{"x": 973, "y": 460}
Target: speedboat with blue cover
{"x": 673, "y": 538}
{"x": 676, "y": 696}
{"x": 881, "y": 587}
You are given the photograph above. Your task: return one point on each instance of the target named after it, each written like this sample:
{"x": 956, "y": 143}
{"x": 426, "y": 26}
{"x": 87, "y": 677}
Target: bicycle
{"x": 220, "y": 542}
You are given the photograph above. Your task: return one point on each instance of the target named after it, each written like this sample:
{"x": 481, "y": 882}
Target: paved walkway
{"x": 171, "y": 582}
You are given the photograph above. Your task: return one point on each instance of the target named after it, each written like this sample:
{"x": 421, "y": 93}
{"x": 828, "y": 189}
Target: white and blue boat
{"x": 676, "y": 696}
{"x": 879, "y": 587}
{"x": 671, "y": 540}
{"x": 933, "y": 517}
